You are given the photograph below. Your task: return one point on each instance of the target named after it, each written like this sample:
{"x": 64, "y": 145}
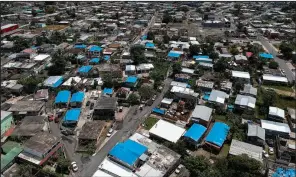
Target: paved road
{"x": 130, "y": 125}
{"x": 282, "y": 63}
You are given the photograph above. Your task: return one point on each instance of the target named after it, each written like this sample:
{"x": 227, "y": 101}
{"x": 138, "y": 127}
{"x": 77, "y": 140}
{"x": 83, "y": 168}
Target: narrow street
{"x": 130, "y": 125}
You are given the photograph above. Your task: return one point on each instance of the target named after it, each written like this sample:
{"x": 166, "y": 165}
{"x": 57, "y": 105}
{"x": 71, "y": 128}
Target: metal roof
{"x": 239, "y": 148}
{"x": 244, "y": 100}
{"x": 255, "y": 130}
{"x": 202, "y": 112}
{"x": 241, "y": 74}
{"x": 274, "y": 111}
{"x": 275, "y": 126}
{"x": 218, "y": 96}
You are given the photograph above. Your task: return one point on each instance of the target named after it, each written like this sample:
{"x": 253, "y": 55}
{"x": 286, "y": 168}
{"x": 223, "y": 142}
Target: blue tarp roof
{"x": 58, "y": 83}
{"x": 266, "y": 55}
{"x": 85, "y": 69}
{"x": 72, "y": 115}
{"x": 149, "y": 45}
{"x": 200, "y": 56}
{"x": 106, "y": 57}
{"x": 218, "y": 134}
{"x": 80, "y": 46}
{"x": 128, "y": 151}
{"x": 63, "y": 96}
{"x": 108, "y": 91}
{"x": 280, "y": 172}
{"x": 204, "y": 60}
{"x": 195, "y": 132}
{"x": 144, "y": 37}
{"x": 159, "y": 111}
{"x": 131, "y": 79}
{"x": 77, "y": 97}
{"x": 94, "y": 60}
{"x": 95, "y": 48}
{"x": 174, "y": 54}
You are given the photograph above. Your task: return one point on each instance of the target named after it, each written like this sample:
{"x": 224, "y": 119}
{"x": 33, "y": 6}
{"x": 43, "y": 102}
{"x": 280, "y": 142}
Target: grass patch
{"x": 280, "y": 87}
{"x": 285, "y": 102}
{"x": 221, "y": 118}
{"x": 224, "y": 151}
{"x": 149, "y": 122}
{"x": 257, "y": 113}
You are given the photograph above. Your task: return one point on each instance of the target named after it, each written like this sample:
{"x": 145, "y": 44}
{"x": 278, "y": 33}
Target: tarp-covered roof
{"x": 63, "y": 96}
{"x": 195, "y": 132}
{"x": 218, "y": 134}
{"x": 77, "y": 97}
{"x": 72, "y": 115}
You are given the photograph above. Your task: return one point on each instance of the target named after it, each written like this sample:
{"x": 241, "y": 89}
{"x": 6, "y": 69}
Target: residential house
{"x": 276, "y": 114}
{"x": 243, "y": 102}
{"x": 205, "y": 86}
{"x": 238, "y": 148}
{"x": 113, "y": 70}
{"x": 39, "y": 148}
{"x": 194, "y": 134}
{"x": 218, "y": 97}
{"x": 181, "y": 92}
{"x": 273, "y": 129}
{"x": 241, "y": 76}
{"x": 105, "y": 108}
{"x": 27, "y": 108}
{"x": 285, "y": 149}
{"x": 226, "y": 86}
{"x": 256, "y": 135}
{"x": 202, "y": 115}
{"x": 7, "y": 124}
{"x": 249, "y": 90}
{"x": 241, "y": 59}
{"x": 30, "y": 126}
{"x": 166, "y": 102}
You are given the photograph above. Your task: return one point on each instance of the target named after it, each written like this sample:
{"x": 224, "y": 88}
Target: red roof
{"x": 249, "y": 54}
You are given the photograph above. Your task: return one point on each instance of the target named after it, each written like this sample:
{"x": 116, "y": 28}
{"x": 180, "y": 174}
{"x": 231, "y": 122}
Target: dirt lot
{"x": 56, "y": 27}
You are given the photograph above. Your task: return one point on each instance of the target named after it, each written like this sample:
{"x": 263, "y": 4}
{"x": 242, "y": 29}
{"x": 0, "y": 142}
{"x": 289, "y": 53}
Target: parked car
{"x": 120, "y": 108}
{"x": 74, "y": 166}
{"x": 141, "y": 107}
{"x": 110, "y": 132}
{"x": 178, "y": 169}
{"x": 270, "y": 151}
{"x": 51, "y": 118}
{"x": 153, "y": 98}
{"x": 67, "y": 132}
{"x": 92, "y": 106}
{"x": 87, "y": 103}
{"x": 57, "y": 119}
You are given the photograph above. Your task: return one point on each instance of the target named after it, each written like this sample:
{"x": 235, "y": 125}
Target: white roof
{"x": 41, "y": 57}
{"x": 239, "y": 148}
{"x": 225, "y": 55}
{"x": 240, "y": 57}
{"x": 51, "y": 80}
{"x": 167, "y": 131}
{"x": 274, "y": 78}
{"x": 115, "y": 168}
{"x": 100, "y": 173}
{"x": 9, "y": 83}
{"x": 186, "y": 91}
{"x": 68, "y": 82}
{"x": 276, "y": 112}
{"x": 275, "y": 126}
{"x": 145, "y": 66}
{"x": 194, "y": 42}
{"x": 147, "y": 170}
{"x": 167, "y": 101}
{"x": 130, "y": 68}
{"x": 187, "y": 70}
{"x": 179, "y": 84}
{"x": 241, "y": 74}
{"x": 4, "y": 114}
{"x": 192, "y": 38}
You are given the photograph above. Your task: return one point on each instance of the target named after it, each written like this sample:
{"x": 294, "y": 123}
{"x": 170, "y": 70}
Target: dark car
{"x": 67, "y": 132}
{"x": 92, "y": 106}
{"x": 87, "y": 103}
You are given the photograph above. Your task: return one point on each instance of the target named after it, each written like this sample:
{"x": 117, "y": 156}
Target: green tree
{"x": 166, "y": 39}
{"x": 150, "y": 36}
{"x": 214, "y": 55}
{"x": 95, "y": 84}
{"x": 167, "y": 18}
{"x": 63, "y": 164}
{"x": 57, "y": 18}
{"x": 137, "y": 54}
{"x": 133, "y": 99}
{"x": 273, "y": 65}
{"x": 24, "y": 170}
{"x": 269, "y": 98}
{"x": 108, "y": 82}
{"x": 30, "y": 84}
{"x": 197, "y": 166}
{"x": 286, "y": 49}
{"x": 146, "y": 92}
{"x": 238, "y": 86}
{"x": 183, "y": 8}
{"x": 221, "y": 65}
{"x": 234, "y": 51}
{"x": 20, "y": 44}
{"x": 194, "y": 49}
{"x": 58, "y": 64}
{"x": 177, "y": 67}
{"x": 179, "y": 147}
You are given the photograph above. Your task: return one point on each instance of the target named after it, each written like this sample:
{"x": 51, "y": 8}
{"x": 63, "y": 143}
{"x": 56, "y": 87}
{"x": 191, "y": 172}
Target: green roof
{"x": 12, "y": 149}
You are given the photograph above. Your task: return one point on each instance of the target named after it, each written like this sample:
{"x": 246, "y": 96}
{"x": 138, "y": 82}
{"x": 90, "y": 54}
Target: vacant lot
{"x": 56, "y": 27}
{"x": 149, "y": 122}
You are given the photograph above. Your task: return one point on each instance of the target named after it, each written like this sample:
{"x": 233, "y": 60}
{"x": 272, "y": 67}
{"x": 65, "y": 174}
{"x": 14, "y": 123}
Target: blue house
{"x": 174, "y": 55}
{"x": 202, "y": 58}
{"x": 80, "y": 46}
{"x": 195, "y": 133}
{"x": 128, "y": 153}
{"x": 158, "y": 111}
{"x": 131, "y": 81}
{"x": 217, "y": 135}
{"x": 94, "y": 61}
{"x": 77, "y": 99}
{"x": 84, "y": 70}
{"x": 266, "y": 56}
{"x": 63, "y": 98}
{"x": 149, "y": 45}
{"x": 72, "y": 116}
{"x": 106, "y": 57}
{"x": 108, "y": 91}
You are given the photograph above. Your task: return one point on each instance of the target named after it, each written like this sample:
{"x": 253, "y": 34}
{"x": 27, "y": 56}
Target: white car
{"x": 74, "y": 166}
{"x": 178, "y": 170}
{"x": 110, "y": 132}
{"x": 270, "y": 150}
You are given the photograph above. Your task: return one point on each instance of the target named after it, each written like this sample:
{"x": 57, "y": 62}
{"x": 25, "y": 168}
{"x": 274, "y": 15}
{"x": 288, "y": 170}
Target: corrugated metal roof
{"x": 239, "y": 148}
